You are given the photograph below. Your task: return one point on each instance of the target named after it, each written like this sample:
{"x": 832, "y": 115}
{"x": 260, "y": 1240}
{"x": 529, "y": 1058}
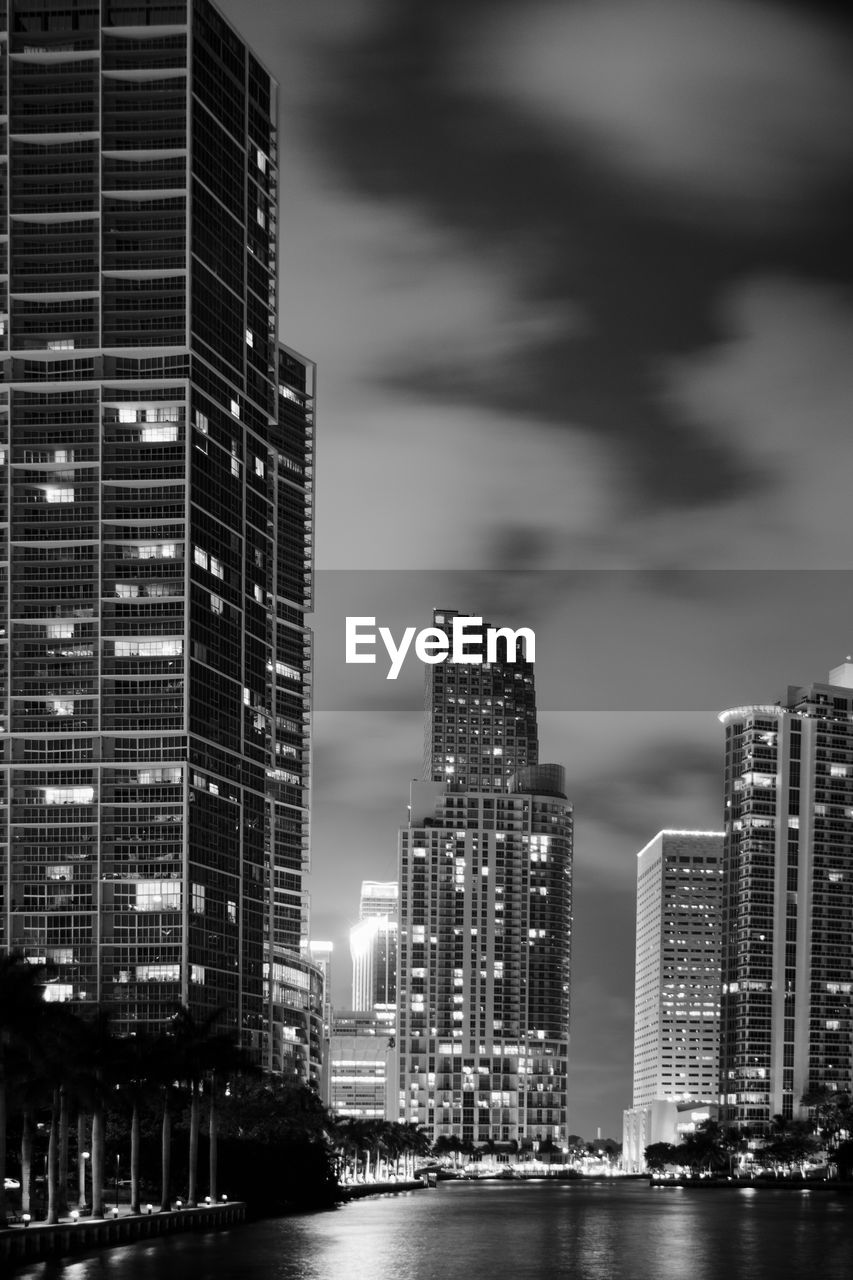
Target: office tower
{"x": 480, "y": 718}
{"x": 378, "y": 898}
{"x": 676, "y": 988}
{"x": 787, "y": 953}
{"x": 157, "y": 484}
{"x": 373, "y": 947}
{"x": 362, "y": 1064}
{"x": 485, "y": 944}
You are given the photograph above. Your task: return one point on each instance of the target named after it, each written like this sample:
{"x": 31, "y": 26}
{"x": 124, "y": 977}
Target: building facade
{"x": 157, "y": 480}
{"x": 676, "y": 988}
{"x": 373, "y": 947}
{"x": 485, "y": 946}
{"x": 787, "y": 946}
{"x": 362, "y": 1064}
{"x": 480, "y": 724}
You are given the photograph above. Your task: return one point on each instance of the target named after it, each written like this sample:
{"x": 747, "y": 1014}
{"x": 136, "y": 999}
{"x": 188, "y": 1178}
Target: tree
{"x": 21, "y": 1010}
{"x": 660, "y": 1155}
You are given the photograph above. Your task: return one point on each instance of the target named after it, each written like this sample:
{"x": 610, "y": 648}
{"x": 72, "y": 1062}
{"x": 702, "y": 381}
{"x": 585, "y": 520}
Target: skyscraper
{"x": 480, "y": 724}
{"x": 373, "y": 947}
{"x": 157, "y": 492}
{"x": 485, "y": 916}
{"x": 676, "y": 987}
{"x": 787, "y": 951}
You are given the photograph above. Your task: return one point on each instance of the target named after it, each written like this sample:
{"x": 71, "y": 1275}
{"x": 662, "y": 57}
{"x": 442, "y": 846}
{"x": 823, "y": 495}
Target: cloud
{"x": 745, "y": 107}
{"x": 781, "y": 387}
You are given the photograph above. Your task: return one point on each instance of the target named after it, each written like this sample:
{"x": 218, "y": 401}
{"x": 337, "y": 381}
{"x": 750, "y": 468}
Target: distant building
{"x": 676, "y": 989}
{"x": 362, "y": 1065}
{"x": 485, "y": 945}
{"x": 480, "y": 719}
{"x": 373, "y": 947}
{"x": 787, "y": 955}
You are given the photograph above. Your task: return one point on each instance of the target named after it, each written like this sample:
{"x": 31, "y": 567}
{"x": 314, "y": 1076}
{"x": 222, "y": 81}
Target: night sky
{"x": 577, "y": 277}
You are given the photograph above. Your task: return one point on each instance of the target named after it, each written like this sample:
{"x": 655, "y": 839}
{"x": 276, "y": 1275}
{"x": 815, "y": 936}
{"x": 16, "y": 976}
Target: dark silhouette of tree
{"x": 21, "y": 1010}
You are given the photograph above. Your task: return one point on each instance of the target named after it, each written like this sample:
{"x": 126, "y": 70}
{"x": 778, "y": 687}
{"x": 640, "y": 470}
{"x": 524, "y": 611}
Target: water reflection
{"x": 614, "y": 1231}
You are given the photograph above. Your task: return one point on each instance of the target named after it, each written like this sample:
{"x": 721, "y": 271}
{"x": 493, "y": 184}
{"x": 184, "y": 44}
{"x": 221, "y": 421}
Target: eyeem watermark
{"x": 433, "y": 645}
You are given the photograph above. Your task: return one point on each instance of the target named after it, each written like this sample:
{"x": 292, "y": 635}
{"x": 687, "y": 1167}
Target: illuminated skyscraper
{"x": 157, "y": 451}
{"x": 480, "y": 719}
{"x": 485, "y": 948}
{"x": 373, "y": 948}
{"x": 676, "y": 988}
{"x": 787, "y": 947}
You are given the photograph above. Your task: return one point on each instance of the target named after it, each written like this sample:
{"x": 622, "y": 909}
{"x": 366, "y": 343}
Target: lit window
{"x": 201, "y": 422}
{"x": 217, "y": 604}
{"x": 126, "y": 590}
{"x": 53, "y": 493}
{"x": 197, "y": 973}
{"x": 235, "y": 409}
{"x": 160, "y": 434}
{"x": 59, "y": 630}
{"x": 261, "y": 160}
{"x": 168, "y": 648}
{"x": 61, "y": 344}
{"x": 69, "y": 795}
{"x": 198, "y": 899}
{"x": 200, "y": 557}
{"x": 58, "y": 992}
{"x": 258, "y": 593}
{"x": 235, "y": 467}
{"x": 61, "y": 707}
{"x": 216, "y": 567}
{"x": 158, "y": 895}
{"x": 158, "y": 973}
{"x": 250, "y": 338}
{"x": 260, "y": 469}
{"x": 231, "y": 912}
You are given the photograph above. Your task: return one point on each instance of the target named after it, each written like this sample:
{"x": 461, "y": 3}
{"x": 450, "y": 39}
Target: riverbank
{"x": 361, "y": 1189}
{"x": 754, "y": 1184}
{"x": 38, "y": 1240}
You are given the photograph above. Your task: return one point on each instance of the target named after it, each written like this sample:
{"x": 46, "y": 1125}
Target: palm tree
{"x": 133, "y": 1071}
{"x": 201, "y": 1051}
{"x": 21, "y": 1008}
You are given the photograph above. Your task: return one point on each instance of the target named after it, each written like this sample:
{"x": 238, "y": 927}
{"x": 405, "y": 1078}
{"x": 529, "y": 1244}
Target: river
{"x": 583, "y": 1231}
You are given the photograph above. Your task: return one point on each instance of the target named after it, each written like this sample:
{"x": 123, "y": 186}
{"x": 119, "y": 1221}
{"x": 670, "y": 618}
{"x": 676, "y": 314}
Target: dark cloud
{"x": 566, "y": 231}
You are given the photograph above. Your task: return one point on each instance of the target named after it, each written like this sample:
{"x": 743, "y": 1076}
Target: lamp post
{"x": 118, "y": 1161}
{"x": 81, "y": 1173}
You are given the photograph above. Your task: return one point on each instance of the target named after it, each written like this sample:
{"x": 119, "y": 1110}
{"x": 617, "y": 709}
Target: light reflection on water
{"x": 587, "y": 1231}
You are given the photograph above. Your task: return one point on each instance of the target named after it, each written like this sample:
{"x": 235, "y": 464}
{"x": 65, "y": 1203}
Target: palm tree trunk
{"x": 53, "y": 1163}
{"x": 192, "y": 1192}
{"x": 213, "y": 1154}
{"x": 134, "y": 1158}
{"x": 81, "y": 1162}
{"x": 98, "y": 1160}
{"x": 62, "y": 1205}
{"x": 26, "y": 1160}
{"x": 3, "y": 1222}
{"x": 166, "y": 1155}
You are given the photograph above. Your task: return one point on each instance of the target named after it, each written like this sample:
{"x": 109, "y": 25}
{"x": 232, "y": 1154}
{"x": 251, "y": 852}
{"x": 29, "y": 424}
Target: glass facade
{"x": 157, "y": 490}
{"x": 787, "y": 911}
{"x": 485, "y": 952}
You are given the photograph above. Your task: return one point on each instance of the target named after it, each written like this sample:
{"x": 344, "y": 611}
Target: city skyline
{"x": 582, "y": 284}
{"x": 633, "y": 354}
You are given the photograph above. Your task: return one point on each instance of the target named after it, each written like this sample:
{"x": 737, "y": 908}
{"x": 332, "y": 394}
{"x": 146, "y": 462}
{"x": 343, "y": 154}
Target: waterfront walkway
{"x": 74, "y": 1233}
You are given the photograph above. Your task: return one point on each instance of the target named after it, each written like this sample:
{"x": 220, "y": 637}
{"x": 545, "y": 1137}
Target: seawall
{"x": 41, "y": 1241}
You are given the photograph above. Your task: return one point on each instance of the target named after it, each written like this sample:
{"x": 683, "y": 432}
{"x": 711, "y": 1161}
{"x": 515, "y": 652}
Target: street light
{"x": 118, "y": 1161}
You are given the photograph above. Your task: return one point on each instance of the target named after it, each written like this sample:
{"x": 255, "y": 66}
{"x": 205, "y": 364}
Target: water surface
{"x": 583, "y": 1231}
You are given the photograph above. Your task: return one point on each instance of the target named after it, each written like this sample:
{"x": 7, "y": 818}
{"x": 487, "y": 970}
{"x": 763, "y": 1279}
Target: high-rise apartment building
{"x": 480, "y": 718}
{"x": 485, "y": 944}
{"x": 676, "y": 987}
{"x": 787, "y": 947}
{"x": 156, "y": 454}
{"x": 373, "y": 947}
